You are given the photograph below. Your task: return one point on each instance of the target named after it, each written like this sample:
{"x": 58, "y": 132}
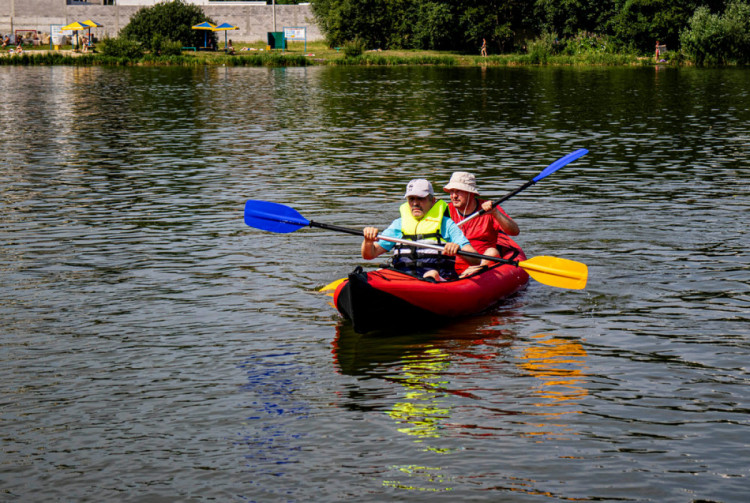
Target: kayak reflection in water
{"x": 488, "y": 232}
{"x": 424, "y": 219}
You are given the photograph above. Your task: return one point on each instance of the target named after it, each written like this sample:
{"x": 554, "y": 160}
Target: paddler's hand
{"x": 488, "y": 208}
{"x": 450, "y": 249}
{"x": 370, "y": 247}
{"x": 370, "y": 234}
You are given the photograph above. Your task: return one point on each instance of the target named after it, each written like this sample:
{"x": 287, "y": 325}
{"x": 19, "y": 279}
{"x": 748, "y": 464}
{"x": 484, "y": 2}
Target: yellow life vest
{"x": 419, "y": 260}
{"x": 428, "y": 228}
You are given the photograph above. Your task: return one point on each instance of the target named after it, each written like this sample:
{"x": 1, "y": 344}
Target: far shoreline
{"x": 318, "y": 54}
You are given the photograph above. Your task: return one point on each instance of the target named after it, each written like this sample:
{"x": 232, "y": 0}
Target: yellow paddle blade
{"x": 331, "y": 287}
{"x": 555, "y": 271}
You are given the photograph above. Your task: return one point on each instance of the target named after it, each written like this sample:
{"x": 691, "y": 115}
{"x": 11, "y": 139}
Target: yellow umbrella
{"x": 74, "y": 27}
{"x": 91, "y": 24}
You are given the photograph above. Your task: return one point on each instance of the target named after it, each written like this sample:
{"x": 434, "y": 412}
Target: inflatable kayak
{"x": 388, "y": 299}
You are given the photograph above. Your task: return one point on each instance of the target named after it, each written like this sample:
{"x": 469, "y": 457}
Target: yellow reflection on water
{"x": 560, "y": 367}
{"x": 420, "y": 414}
{"x": 423, "y": 407}
{"x": 424, "y": 474}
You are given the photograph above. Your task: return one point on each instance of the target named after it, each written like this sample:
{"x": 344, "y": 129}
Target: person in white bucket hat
{"x": 423, "y": 219}
{"x": 487, "y": 233}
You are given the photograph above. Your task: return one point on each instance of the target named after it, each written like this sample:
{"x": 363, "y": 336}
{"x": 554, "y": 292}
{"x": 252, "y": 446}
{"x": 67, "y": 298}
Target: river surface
{"x": 156, "y": 349}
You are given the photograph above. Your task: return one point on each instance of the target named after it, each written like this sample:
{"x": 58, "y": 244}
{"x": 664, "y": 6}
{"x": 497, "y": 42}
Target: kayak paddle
{"x": 552, "y": 271}
{"x": 547, "y": 171}
{"x": 333, "y": 285}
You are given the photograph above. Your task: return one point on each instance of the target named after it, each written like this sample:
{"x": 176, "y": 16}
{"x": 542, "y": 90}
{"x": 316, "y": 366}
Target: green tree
{"x": 503, "y": 24}
{"x": 462, "y": 24}
{"x": 434, "y": 26}
{"x": 719, "y": 38}
{"x": 423, "y": 24}
{"x": 737, "y": 24}
{"x": 168, "y": 21}
{"x": 569, "y": 17}
{"x": 638, "y": 24}
{"x": 346, "y": 20}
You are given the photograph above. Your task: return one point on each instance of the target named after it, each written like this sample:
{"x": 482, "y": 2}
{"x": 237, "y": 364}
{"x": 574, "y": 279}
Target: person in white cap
{"x": 423, "y": 219}
{"x": 488, "y": 233}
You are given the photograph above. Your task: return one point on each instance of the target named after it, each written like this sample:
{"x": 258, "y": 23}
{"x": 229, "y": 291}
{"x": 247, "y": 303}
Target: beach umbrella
{"x": 204, "y": 26}
{"x": 225, "y": 27}
{"x": 91, "y": 24}
{"x": 74, "y": 27}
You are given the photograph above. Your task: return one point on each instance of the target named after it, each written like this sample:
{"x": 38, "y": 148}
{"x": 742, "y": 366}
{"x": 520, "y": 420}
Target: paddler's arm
{"x": 370, "y": 248}
{"x": 506, "y": 223}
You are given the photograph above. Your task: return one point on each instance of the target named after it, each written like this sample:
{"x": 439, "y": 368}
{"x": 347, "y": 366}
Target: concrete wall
{"x": 254, "y": 21}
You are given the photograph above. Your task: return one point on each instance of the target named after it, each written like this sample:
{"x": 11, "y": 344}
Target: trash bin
{"x": 276, "y": 40}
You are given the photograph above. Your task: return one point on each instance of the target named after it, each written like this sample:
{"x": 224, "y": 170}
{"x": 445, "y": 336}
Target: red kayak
{"x": 387, "y": 298}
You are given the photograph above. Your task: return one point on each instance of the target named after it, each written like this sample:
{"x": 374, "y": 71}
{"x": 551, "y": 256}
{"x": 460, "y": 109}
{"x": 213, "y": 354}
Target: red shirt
{"x": 483, "y": 232}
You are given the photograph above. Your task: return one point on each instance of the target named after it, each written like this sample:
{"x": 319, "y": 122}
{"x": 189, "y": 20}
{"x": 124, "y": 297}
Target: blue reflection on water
{"x": 270, "y": 438}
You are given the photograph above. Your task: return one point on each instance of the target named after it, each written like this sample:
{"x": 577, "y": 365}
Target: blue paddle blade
{"x": 560, "y": 163}
{"x": 273, "y": 217}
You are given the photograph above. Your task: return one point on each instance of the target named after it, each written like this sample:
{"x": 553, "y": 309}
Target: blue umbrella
{"x": 204, "y": 26}
{"x": 225, "y": 27}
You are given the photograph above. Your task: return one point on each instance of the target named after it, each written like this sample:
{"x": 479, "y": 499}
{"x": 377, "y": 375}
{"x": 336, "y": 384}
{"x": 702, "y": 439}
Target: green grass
{"x": 388, "y": 60}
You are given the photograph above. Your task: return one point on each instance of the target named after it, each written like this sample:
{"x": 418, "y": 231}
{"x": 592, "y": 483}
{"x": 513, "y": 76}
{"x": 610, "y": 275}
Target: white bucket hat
{"x": 419, "y": 187}
{"x": 461, "y": 180}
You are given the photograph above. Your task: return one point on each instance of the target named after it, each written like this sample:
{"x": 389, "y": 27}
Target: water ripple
{"x": 157, "y": 348}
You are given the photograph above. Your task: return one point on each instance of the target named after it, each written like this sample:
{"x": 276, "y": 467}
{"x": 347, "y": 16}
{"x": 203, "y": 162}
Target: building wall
{"x": 254, "y": 21}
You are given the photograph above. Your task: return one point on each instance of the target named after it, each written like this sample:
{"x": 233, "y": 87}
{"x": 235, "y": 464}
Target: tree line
{"x": 706, "y": 31}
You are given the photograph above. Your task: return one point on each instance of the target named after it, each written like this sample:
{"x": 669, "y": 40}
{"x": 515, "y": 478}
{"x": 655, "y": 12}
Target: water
{"x": 154, "y": 348}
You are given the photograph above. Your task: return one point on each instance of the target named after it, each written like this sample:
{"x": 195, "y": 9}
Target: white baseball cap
{"x": 419, "y": 187}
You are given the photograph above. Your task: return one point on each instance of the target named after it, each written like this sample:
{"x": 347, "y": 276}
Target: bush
{"x": 120, "y": 47}
{"x": 540, "y": 49}
{"x": 171, "y": 48}
{"x": 718, "y": 38}
{"x": 587, "y": 43}
{"x": 163, "y": 47}
{"x": 168, "y": 21}
{"x": 156, "y": 42}
{"x": 354, "y": 48}
{"x": 675, "y": 57}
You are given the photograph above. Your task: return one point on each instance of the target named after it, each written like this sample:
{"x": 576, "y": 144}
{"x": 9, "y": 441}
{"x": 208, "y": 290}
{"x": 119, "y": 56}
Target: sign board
{"x": 296, "y": 33}
{"x": 55, "y": 35}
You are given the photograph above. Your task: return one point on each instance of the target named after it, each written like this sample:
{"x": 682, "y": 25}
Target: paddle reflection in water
{"x": 444, "y": 406}
{"x": 559, "y": 365}
{"x": 272, "y": 439}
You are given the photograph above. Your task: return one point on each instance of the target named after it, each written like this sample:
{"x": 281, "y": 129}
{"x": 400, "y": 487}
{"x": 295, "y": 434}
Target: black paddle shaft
{"x": 331, "y": 227}
{"x": 508, "y": 196}
{"x": 355, "y": 232}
